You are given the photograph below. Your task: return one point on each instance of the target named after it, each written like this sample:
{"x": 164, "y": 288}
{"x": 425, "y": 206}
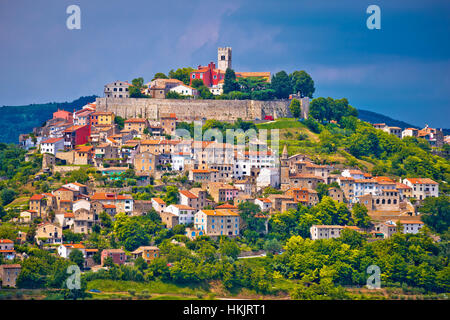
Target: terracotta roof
{"x": 11, "y": 266}
{"x": 221, "y": 212}
{"x": 264, "y": 200}
{"x": 73, "y": 128}
{"x": 6, "y": 241}
{"x": 182, "y": 207}
{"x": 110, "y": 196}
{"x": 188, "y": 194}
{"x": 83, "y": 148}
{"x": 421, "y": 181}
{"x": 37, "y": 197}
{"x": 411, "y": 222}
{"x": 52, "y": 140}
{"x": 136, "y": 120}
{"x": 73, "y": 245}
{"x": 159, "y": 200}
{"x": 227, "y": 206}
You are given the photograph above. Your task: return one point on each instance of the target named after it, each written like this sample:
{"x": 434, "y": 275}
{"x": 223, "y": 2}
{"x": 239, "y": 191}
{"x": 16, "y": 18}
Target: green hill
{"x": 16, "y": 120}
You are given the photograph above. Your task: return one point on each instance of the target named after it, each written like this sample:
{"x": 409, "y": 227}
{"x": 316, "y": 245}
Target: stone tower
{"x": 284, "y": 169}
{"x": 224, "y": 58}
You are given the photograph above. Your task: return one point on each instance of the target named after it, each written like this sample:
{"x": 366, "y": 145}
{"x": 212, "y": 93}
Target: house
{"x": 410, "y": 132}
{"x": 84, "y": 155}
{"x": 264, "y": 203}
{"x": 123, "y": 203}
{"x": 48, "y": 233}
{"x": 42, "y": 204}
{"x": 184, "y": 213}
{"x": 422, "y": 188}
{"x": 217, "y": 222}
{"x": 222, "y": 192}
{"x": 185, "y": 90}
{"x": 117, "y": 89}
{"x": 78, "y": 187}
{"x": 145, "y": 163}
{"x": 194, "y": 198}
{"x": 328, "y": 231}
{"x": 385, "y": 229}
{"x": 158, "y": 204}
{"x": 117, "y": 255}
{"x": 170, "y": 219}
{"x": 7, "y": 249}
{"x": 64, "y": 194}
{"x": 268, "y": 177}
{"x": 100, "y": 118}
{"x": 385, "y": 200}
{"x": 203, "y": 175}
{"x": 336, "y": 194}
{"x": 138, "y": 124}
{"x": 307, "y": 197}
{"x": 65, "y": 249}
{"x": 27, "y": 216}
{"x": 411, "y": 226}
{"x": 277, "y": 200}
{"x": 396, "y": 131}
{"x": 168, "y": 122}
{"x": 63, "y": 114}
{"x": 9, "y": 274}
{"x": 83, "y": 221}
{"x": 305, "y": 180}
{"x": 147, "y": 253}
{"x": 76, "y": 135}
{"x": 52, "y": 145}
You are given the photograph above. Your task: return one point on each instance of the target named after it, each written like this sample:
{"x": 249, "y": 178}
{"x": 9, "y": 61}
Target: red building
{"x": 117, "y": 255}
{"x": 76, "y": 135}
{"x": 210, "y": 75}
{"x": 63, "y": 114}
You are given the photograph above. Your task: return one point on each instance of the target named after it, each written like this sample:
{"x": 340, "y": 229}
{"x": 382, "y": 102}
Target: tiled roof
{"x": 421, "y": 181}
{"x": 221, "y": 212}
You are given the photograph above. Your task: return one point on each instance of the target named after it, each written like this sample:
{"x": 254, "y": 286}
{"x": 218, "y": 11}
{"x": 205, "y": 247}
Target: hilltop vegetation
{"x": 22, "y": 119}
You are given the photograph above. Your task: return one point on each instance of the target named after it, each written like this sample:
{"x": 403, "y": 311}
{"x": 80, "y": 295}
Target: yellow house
{"x": 102, "y": 118}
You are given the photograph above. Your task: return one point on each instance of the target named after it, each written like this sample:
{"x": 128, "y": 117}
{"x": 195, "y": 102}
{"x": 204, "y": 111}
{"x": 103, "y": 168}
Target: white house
{"x": 268, "y": 177}
{"x": 64, "y": 250}
{"x": 411, "y": 226}
{"x": 185, "y": 90}
{"x": 178, "y": 160}
{"x": 422, "y": 188}
{"x": 52, "y": 145}
{"x": 81, "y": 204}
{"x": 264, "y": 203}
{"x": 185, "y": 213}
{"x": 351, "y": 173}
{"x": 158, "y": 204}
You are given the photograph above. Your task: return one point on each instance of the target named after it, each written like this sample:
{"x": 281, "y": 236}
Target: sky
{"x": 401, "y": 70}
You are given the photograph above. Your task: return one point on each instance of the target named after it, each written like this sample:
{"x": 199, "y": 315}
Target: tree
{"x": 159, "y": 75}
{"x": 295, "y": 108}
{"x": 129, "y": 232}
{"x": 303, "y": 83}
{"x": 272, "y": 246}
{"x": 281, "y": 84}
{"x": 436, "y": 213}
{"x": 171, "y": 196}
{"x": 360, "y": 216}
{"x": 230, "y": 84}
{"x": 120, "y": 122}
{"x": 229, "y": 248}
{"x": 76, "y": 256}
{"x": 197, "y": 83}
{"x": 7, "y": 195}
{"x": 182, "y": 74}
{"x": 135, "y": 89}
{"x": 70, "y": 236}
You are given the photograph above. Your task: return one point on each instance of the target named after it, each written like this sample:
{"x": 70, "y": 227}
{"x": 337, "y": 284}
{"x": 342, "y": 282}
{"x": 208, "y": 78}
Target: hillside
{"x": 22, "y": 119}
{"x": 374, "y": 117}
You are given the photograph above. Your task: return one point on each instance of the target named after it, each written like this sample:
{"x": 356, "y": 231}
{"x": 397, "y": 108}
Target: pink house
{"x": 63, "y": 114}
{"x": 117, "y": 255}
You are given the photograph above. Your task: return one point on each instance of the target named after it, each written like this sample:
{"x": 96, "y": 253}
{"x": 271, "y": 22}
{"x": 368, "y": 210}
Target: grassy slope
{"x": 289, "y": 131}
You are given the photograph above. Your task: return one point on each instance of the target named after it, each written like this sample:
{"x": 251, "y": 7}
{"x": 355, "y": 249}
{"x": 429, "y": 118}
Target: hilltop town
{"x": 116, "y": 185}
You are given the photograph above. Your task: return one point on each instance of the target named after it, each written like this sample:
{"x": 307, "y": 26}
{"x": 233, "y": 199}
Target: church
{"x": 213, "y": 77}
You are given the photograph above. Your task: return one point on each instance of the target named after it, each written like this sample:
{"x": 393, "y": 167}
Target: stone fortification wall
{"x": 190, "y": 110}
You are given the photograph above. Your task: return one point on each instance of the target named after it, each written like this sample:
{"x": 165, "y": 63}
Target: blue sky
{"x": 401, "y": 70}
